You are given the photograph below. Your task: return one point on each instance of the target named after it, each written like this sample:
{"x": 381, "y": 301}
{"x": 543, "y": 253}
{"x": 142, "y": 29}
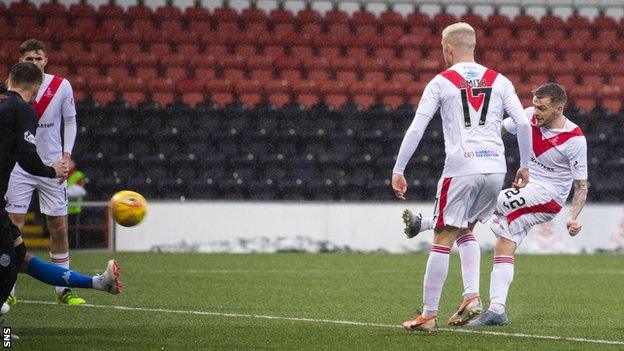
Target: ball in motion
{"x": 128, "y": 208}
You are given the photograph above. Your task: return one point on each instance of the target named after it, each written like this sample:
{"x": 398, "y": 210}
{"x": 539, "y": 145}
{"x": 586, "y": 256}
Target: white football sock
{"x": 435, "y": 276}
{"x": 502, "y": 276}
{"x": 470, "y": 257}
{"x": 426, "y": 224}
{"x": 61, "y": 260}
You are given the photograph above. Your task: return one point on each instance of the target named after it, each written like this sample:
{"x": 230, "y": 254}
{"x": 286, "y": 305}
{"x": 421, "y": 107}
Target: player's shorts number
{"x": 514, "y": 203}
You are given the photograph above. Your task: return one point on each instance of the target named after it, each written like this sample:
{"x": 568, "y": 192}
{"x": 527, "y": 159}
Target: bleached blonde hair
{"x": 460, "y": 34}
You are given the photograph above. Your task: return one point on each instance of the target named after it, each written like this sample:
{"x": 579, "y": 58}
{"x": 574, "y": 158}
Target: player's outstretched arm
{"x": 427, "y": 107}
{"x": 578, "y": 201}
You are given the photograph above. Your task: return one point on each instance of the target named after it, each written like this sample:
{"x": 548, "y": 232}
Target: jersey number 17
{"x": 472, "y": 96}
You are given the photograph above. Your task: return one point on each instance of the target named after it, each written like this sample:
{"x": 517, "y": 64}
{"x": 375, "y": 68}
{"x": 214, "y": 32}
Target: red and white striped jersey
{"x": 472, "y": 100}
{"x": 559, "y": 156}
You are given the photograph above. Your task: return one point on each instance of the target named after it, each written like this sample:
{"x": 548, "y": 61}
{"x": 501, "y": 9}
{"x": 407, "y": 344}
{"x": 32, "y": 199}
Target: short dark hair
{"x": 31, "y": 45}
{"x": 25, "y": 74}
{"x": 554, "y": 91}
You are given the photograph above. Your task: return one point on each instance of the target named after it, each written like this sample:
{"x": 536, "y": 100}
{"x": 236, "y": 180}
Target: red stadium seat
{"x": 604, "y": 22}
{"x": 192, "y": 91}
{"x": 309, "y": 16}
{"x": 473, "y": 19}
{"x": 109, "y": 11}
{"x": 614, "y": 105}
{"x": 117, "y": 73}
{"x": 274, "y": 51}
{"x": 315, "y": 63}
{"x": 335, "y": 93}
{"x": 443, "y": 19}
{"x": 404, "y": 78}
{"x": 414, "y": 92}
{"x": 311, "y": 29}
{"x": 81, "y": 11}
{"x": 347, "y": 77}
{"x": 130, "y": 48}
{"x": 139, "y": 11}
{"x": 551, "y": 22}
{"x": 225, "y": 14}
{"x": 144, "y": 60}
{"x": 175, "y": 73}
{"x": 253, "y": 15}
{"x": 363, "y": 93}
{"x": 363, "y": 17}
{"x": 59, "y": 70}
{"x": 168, "y": 13}
{"x": 85, "y": 24}
{"x": 87, "y": 72}
{"x": 577, "y": 21}
{"x": 318, "y": 75}
{"x": 205, "y": 74}
{"x": 392, "y": 94}
{"x": 103, "y": 89}
{"x": 375, "y": 77}
{"x": 162, "y": 91}
{"x": 385, "y": 53}
{"x": 197, "y": 13}
{"x": 301, "y": 52}
{"x": 418, "y": 19}
{"x": 147, "y": 74}
{"x": 525, "y": 21}
{"x": 161, "y": 49}
{"x": 391, "y": 18}
{"x": 585, "y": 104}
{"x": 174, "y": 60}
{"x": 567, "y": 80}
{"x": 249, "y": 92}
{"x": 22, "y": 9}
{"x": 281, "y": 15}
{"x": 200, "y": 27}
{"x": 277, "y": 92}
{"x": 291, "y": 75}
{"x": 133, "y": 91}
{"x": 329, "y": 52}
{"x": 335, "y": 16}
{"x": 306, "y": 93}
{"x": 246, "y": 51}
{"x": 233, "y": 74}
{"x": 262, "y": 75}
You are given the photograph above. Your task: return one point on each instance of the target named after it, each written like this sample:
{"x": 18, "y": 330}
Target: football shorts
{"x": 52, "y": 195}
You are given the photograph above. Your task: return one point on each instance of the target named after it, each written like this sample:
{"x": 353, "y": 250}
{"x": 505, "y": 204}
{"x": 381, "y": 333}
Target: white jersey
{"x": 49, "y": 132}
{"x": 559, "y": 156}
{"x": 472, "y": 100}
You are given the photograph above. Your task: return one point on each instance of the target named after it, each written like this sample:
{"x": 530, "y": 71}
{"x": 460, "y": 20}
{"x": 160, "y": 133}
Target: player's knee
{"x": 18, "y": 219}
{"x": 57, "y": 226}
{"x": 505, "y": 246}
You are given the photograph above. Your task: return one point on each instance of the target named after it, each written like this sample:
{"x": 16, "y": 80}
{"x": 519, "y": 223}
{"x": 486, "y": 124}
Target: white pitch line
{"x": 331, "y": 321}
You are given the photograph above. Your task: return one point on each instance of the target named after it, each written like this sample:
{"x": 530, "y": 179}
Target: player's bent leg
{"x": 412, "y": 223}
{"x": 53, "y": 275}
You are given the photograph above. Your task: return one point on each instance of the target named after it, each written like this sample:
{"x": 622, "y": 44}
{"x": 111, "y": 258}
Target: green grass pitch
{"x": 556, "y": 296}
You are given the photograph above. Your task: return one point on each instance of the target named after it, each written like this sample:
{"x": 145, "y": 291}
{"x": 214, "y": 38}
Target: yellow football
{"x": 128, "y": 208}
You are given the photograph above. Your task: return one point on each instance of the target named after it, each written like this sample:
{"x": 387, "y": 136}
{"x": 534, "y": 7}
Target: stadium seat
{"x": 418, "y": 19}
{"x": 278, "y": 92}
{"x": 133, "y": 91}
{"x": 308, "y": 16}
{"x": 249, "y": 92}
{"x": 162, "y": 91}
{"x": 336, "y": 16}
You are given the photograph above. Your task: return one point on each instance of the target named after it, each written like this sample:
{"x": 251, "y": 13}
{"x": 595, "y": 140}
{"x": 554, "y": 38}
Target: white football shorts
{"x": 466, "y": 199}
{"x": 518, "y": 210}
{"x": 52, "y": 195}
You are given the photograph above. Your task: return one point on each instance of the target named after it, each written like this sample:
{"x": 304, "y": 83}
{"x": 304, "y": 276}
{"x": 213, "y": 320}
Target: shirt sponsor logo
{"x": 48, "y": 93}
{"x": 46, "y": 125}
{"x": 542, "y": 166}
{"x": 481, "y": 154}
{"x": 29, "y": 137}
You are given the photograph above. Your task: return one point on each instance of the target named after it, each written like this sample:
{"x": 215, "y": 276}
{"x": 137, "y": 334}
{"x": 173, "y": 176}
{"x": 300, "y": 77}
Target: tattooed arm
{"x": 578, "y": 201}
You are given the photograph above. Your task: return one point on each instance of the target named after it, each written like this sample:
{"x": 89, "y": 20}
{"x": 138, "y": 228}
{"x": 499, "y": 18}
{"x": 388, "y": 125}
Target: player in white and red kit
{"x": 472, "y": 100}
{"x": 558, "y": 161}
{"x": 55, "y": 138}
